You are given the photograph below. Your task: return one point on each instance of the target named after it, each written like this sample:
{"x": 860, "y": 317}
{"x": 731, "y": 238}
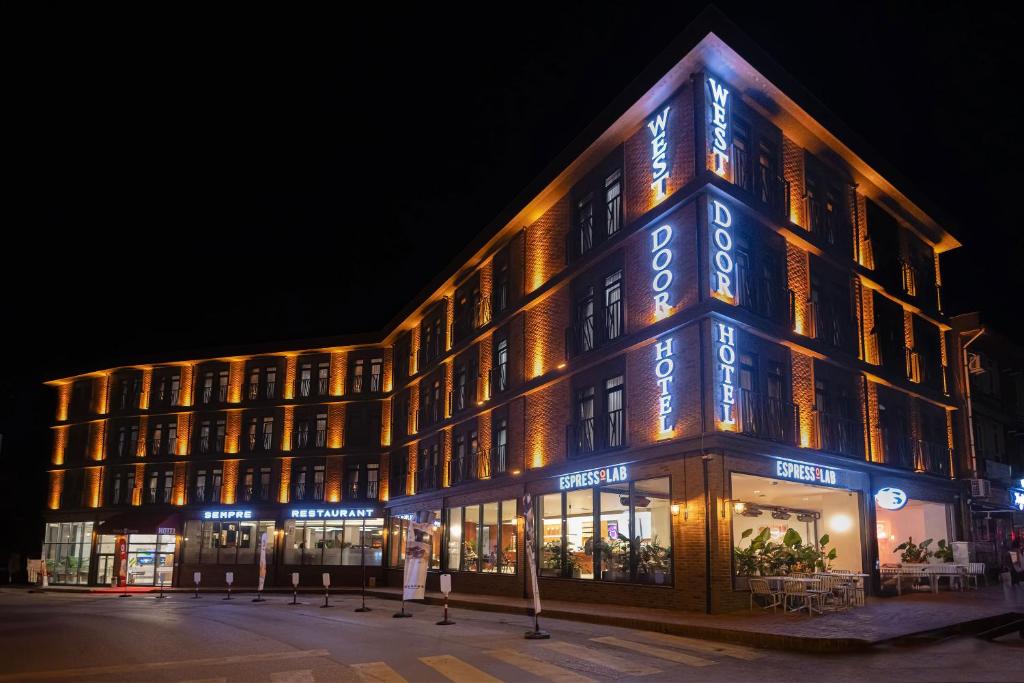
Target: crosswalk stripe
{"x": 538, "y": 668}
{"x": 609, "y": 661}
{"x": 659, "y": 652}
{"x": 297, "y": 676}
{"x": 455, "y": 669}
{"x": 372, "y": 672}
{"x": 736, "y": 651}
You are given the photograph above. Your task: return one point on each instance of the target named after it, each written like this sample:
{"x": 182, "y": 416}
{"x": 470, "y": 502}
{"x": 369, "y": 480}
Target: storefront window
{"x": 333, "y": 542}
{"x": 633, "y": 542}
{"x": 67, "y": 547}
{"x": 236, "y": 542}
{"x": 454, "y": 539}
{"x": 794, "y": 515}
{"x": 400, "y": 534}
{"x": 918, "y": 521}
{"x": 486, "y": 537}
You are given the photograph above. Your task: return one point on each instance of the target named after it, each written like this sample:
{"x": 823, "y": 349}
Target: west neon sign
{"x": 664, "y": 367}
{"x": 718, "y": 126}
{"x": 725, "y": 355}
{"x": 723, "y": 265}
{"x": 595, "y": 477}
{"x": 802, "y": 471}
{"x": 227, "y": 514}
{"x": 661, "y": 259}
{"x": 659, "y": 152}
{"x": 331, "y": 513}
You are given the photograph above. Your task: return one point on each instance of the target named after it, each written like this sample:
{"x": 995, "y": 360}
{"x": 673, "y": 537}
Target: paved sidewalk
{"x": 879, "y": 621}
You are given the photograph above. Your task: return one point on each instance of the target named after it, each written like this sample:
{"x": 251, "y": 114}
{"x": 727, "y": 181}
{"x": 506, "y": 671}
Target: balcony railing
{"x": 200, "y": 495}
{"x": 304, "y": 387}
{"x": 587, "y": 334}
{"x": 207, "y": 394}
{"x": 463, "y": 467}
{"x": 837, "y": 434}
{"x": 931, "y": 457}
{"x": 589, "y": 435}
{"x": 254, "y": 390}
{"x": 766, "y": 417}
{"x": 428, "y": 478}
{"x": 498, "y": 459}
{"x": 299, "y": 491}
{"x": 322, "y": 386}
{"x": 822, "y": 221}
{"x": 318, "y": 490}
{"x": 759, "y": 295}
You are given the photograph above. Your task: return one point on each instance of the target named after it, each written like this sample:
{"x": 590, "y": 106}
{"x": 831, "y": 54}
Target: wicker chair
{"x": 763, "y": 596}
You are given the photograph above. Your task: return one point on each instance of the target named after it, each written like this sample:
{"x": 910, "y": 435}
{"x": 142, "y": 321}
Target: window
{"x": 429, "y": 468}
{"x": 613, "y": 306}
{"x": 501, "y": 282}
{"x": 152, "y": 493}
{"x": 318, "y": 482}
{"x": 254, "y": 384}
{"x": 620, "y": 532}
{"x": 376, "y": 370}
{"x": 615, "y": 412}
{"x": 222, "y": 386}
{"x": 299, "y": 487}
{"x": 499, "y": 459}
{"x": 483, "y": 538}
{"x": 175, "y": 389}
{"x": 585, "y": 225}
{"x": 613, "y": 202}
{"x": 207, "y": 393}
{"x": 585, "y": 428}
{"x": 204, "y": 436}
{"x": 234, "y": 542}
{"x": 305, "y": 379}
{"x": 268, "y": 433}
{"x": 168, "y": 486}
{"x": 271, "y": 382}
{"x": 461, "y": 387}
{"x": 400, "y": 533}
{"x": 357, "y": 377}
{"x": 200, "y": 489}
{"x": 399, "y": 473}
{"x": 67, "y": 547}
{"x": 115, "y": 489}
{"x": 501, "y": 366}
{"x": 585, "y": 322}
{"x": 323, "y": 380}
{"x": 321, "y": 430}
{"x": 217, "y": 482}
{"x": 372, "y": 481}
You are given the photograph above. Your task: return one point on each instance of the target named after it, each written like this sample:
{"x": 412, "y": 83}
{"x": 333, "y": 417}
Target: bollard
{"x": 196, "y": 576}
{"x": 295, "y": 588}
{"x": 327, "y": 590}
{"x": 161, "y": 596}
{"x": 229, "y": 577}
{"x": 446, "y": 588}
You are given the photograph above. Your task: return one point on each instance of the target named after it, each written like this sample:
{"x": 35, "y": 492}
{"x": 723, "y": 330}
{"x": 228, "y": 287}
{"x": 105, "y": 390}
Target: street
{"x": 88, "y": 637}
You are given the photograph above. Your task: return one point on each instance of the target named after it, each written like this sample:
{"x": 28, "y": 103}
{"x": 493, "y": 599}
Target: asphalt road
{"x": 92, "y": 638}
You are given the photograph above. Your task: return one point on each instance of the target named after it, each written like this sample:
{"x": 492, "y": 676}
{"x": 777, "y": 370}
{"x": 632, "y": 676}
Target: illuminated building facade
{"x": 712, "y": 320}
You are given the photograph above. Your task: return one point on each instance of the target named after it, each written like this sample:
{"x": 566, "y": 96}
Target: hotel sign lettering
{"x": 719, "y": 133}
{"x": 664, "y": 368}
{"x": 661, "y": 259}
{"x": 595, "y": 477}
{"x": 795, "y": 470}
{"x": 723, "y": 263}
{"x": 332, "y": 513}
{"x": 725, "y": 380}
{"x": 659, "y": 152}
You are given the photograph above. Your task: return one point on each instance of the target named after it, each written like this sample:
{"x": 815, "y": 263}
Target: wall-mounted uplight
{"x": 674, "y": 508}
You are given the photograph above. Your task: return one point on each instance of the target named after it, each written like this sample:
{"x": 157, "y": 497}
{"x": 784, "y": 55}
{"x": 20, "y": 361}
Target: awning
{"x": 140, "y": 521}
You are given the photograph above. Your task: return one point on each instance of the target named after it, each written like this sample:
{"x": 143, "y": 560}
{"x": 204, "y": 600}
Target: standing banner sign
{"x": 263, "y": 560}
{"x": 531, "y": 544}
{"x": 122, "y": 556}
{"x": 418, "y": 547}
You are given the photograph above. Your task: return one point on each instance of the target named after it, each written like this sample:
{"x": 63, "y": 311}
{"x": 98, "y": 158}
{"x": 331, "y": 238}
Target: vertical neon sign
{"x": 722, "y": 263}
{"x": 719, "y": 126}
{"x": 664, "y": 367}
{"x": 725, "y": 352}
{"x": 661, "y": 259}
{"x": 659, "y": 152}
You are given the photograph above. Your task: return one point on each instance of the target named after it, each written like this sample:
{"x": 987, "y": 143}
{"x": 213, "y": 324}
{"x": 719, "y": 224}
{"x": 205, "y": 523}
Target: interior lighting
{"x": 840, "y": 523}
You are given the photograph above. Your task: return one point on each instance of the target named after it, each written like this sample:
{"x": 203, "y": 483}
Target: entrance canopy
{"x": 140, "y": 521}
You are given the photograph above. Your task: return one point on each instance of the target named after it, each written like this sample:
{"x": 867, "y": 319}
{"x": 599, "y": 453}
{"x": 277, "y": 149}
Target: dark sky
{"x": 196, "y": 179}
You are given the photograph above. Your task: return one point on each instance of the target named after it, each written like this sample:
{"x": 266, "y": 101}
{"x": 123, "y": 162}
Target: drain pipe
{"x": 967, "y": 391}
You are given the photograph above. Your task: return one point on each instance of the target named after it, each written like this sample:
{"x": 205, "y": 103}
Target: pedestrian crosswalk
{"x": 599, "y": 658}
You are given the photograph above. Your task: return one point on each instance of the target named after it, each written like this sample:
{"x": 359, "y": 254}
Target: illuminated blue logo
{"x": 890, "y": 498}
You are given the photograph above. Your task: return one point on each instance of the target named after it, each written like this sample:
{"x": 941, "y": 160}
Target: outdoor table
{"x": 915, "y": 572}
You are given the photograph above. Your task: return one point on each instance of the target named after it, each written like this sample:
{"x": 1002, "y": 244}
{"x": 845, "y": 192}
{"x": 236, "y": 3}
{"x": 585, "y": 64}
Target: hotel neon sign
{"x": 722, "y": 263}
{"x": 664, "y": 366}
{"x": 659, "y": 152}
{"x": 726, "y": 361}
{"x": 719, "y": 126}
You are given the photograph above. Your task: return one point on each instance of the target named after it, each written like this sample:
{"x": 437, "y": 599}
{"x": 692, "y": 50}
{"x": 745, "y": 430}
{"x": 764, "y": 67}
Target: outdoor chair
{"x": 797, "y": 591}
{"x": 835, "y": 590}
{"x": 763, "y": 596}
{"x": 974, "y": 570}
{"x": 856, "y": 586}
{"x": 943, "y": 571}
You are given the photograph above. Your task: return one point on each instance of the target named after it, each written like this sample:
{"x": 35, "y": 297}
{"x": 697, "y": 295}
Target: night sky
{"x": 193, "y": 181}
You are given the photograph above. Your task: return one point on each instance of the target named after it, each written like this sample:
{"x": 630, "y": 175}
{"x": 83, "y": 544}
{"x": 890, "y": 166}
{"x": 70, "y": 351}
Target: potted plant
{"x": 914, "y": 553}
{"x": 551, "y": 559}
{"x": 572, "y": 561}
{"x": 653, "y": 560}
{"x": 614, "y": 555}
{"x": 943, "y": 551}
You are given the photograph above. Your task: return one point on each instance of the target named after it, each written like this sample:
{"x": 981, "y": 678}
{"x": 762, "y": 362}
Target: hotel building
{"x": 714, "y": 313}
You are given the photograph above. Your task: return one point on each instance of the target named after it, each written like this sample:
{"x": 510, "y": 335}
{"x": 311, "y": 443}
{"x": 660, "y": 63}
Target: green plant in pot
{"x": 652, "y": 561}
{"x": 943, "y": 551}
{"x": 914, "y": 553}
{"x": 551, "y": 559}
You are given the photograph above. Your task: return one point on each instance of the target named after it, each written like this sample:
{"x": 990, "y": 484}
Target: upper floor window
{"x": 501, "y": 366}
{"x": 323, "y": 378}
{"x": 376, "y": 372}
{"x": 501, "y": 285}
{"x": 461, "y": 387}
{"x": 305, "y": 380}
{"x": 357, "y": 376}
{"x": 600, "y": 417}
{"x": 499, "y": 457}
{"x": 222, "y": 386}
{"x": 613, "y": 305}
{"x": 208, "y": 389}
{"x": 613, "y": 202}
{"x": 585, "y": 225}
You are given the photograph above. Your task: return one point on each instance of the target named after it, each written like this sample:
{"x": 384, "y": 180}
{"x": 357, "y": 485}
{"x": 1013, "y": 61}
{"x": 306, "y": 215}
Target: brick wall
{"x": 547, "y": 414}
{"x": 798, "y": 276}
{"x": 640, "y": 273}
{"x": 545, "y": 245}
{"x": 793, "y": 173}
{"x": 802, "y": 369}
{"x": 544, "y": 338}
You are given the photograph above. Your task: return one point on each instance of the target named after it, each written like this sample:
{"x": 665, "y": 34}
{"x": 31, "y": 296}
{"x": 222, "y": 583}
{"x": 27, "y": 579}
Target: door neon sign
{"x": 723, "y": 266}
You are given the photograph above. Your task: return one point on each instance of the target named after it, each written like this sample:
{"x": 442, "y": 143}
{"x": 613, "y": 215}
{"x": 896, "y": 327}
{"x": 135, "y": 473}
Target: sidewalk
{"x": 880, "y": 620}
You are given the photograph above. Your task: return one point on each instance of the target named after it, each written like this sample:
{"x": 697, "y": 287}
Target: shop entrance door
{"x": 105, "y": 570}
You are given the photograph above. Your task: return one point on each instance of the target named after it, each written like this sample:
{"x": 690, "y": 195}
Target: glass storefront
{"x": 334, "y": 542}
{"x": 400, "y": 533}
{"x": 793, "y": 517}
{"x": 483, "y": 538}
{"x": 916, "y": 521}
{"x": 226, "y": 542}
{"x": 617, "y": 532}
{"x": 67, "y": 547}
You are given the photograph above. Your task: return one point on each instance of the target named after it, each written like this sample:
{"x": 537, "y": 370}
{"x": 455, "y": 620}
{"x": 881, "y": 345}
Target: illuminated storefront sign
{"x": 718, "y": 126}
{"x": 891, "y": 498}
{"x": 664, "y": 366}
{"x": 661, "y": 259}
{"x": 1017, "y": 497}
{"x": 227, "y": 514}
{"x": 725, "y": 353}
{"x": 595, "y": 477}
{"x": 331, "y": 513}
{"x": 723, "y": 265}
{"x": 803, "y": 471}
{"x": 659, "y": 152}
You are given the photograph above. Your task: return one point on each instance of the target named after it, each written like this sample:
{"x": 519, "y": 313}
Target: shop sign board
{"x": 795, "y": 470}
{"x": 1017, "y": 498}
{"x": 594, "y": 477}
{"x": 332, "y": 513}
{"x": 227, "y": 514}
{"x": 891, "y": 498}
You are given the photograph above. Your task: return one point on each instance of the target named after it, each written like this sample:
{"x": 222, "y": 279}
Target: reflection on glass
{"x": 489, "y": 538}
{"x": 550, "y": 516}
{"x": 614, "y": 548}
{"x": 470, "y": 543}
{"x": 653, "y": 531}
{"x": 509, "y": 527}
{"x": 454, "y": 538}
{"x": 579, "y": 533}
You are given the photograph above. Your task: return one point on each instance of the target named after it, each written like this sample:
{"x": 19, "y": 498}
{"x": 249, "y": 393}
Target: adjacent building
{"x": 716, "y": 313}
